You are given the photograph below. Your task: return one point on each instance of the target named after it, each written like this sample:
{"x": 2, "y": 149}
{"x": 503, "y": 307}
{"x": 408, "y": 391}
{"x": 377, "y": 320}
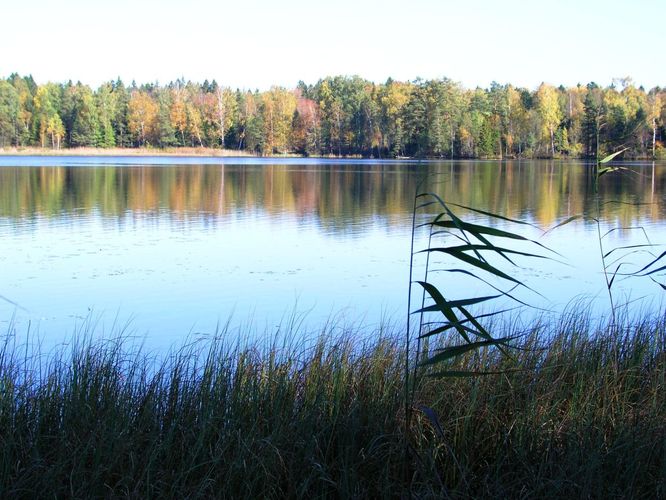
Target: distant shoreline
{"x": 203, "y": 152}
{"x": 176, "y": 151}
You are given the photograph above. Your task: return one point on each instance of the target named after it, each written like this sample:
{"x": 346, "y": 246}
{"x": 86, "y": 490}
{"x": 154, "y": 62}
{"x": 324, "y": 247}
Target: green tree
{"x": 85, "y": 127}
{"x": 415, "y": 119}
{"x": 482, "y": 133}
{"x": 120, "y": 119}
{"x": 593, "y": 120}
{"x": 163, "y": 132}
{"x": 106, "y": 100}
{"x": 9, "y": 114}
{"x": 333, "y": 119}
{"x": 498, "y": 97}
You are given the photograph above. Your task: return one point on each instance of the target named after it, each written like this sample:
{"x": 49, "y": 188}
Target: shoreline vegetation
{"x": 340, "y": 116}
{"x": 205, "y": 152}
{"x": 577, "y": 410}
{"x": 143, "y": 151}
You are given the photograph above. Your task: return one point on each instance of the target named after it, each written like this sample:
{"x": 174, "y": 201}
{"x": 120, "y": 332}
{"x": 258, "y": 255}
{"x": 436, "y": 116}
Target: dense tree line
{"x": 340, "y": 116}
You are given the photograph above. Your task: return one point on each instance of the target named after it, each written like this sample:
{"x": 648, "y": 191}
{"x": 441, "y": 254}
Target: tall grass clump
{"x": 577, "y": 408}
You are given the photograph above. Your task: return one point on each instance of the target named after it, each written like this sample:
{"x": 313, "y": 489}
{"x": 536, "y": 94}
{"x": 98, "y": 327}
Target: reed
{"x": 578, "y": 408}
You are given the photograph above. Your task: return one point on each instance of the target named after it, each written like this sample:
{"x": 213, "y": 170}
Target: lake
{"x": 171, "y": 246}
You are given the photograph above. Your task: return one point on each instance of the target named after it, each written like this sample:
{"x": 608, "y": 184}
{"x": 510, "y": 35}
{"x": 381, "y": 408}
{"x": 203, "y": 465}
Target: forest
{"x": 340, "y": 116}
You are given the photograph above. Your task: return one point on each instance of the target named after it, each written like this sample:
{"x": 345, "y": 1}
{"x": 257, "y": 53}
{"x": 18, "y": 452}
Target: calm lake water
{"x": 171, "y": 246}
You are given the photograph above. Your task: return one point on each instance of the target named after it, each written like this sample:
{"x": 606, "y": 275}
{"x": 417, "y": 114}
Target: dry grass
{"x": 184, "y": 151}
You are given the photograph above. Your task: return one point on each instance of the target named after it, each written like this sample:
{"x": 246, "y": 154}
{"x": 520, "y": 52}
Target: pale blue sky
{"x": 257, "y": 43}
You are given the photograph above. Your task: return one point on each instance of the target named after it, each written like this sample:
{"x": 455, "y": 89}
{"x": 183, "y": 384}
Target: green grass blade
{"x": 464, "y": 374}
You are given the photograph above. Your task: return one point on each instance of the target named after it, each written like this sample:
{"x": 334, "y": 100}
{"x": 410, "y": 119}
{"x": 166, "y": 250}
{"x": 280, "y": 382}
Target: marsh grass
{"x": 579, "y": 409}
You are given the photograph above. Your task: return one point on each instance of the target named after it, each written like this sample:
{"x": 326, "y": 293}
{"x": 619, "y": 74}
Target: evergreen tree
{"x": 120, "y": 118}
{"x": 164, "y": 132}
{"x": 9, "y": 114}
{"x": 106, "y": 107}
{"x": 593, "y": 120}
{"x": 85, "y": 128}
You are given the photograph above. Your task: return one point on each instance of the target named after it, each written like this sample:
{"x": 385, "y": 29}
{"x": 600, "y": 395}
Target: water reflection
{"x": 332, "y": 196}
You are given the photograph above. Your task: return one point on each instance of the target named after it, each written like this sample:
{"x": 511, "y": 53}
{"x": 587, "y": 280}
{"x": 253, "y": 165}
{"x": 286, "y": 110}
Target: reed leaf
{"x": 610, "y": 157}
{"x": 448, "y": 353}
{"x": 479, "y": 229}
{"x": 650, "y": 264}
{"x": 495, "y": 216}
{"x": 474, "y": 320}
{"x": 484, "y": 266}
{"x": 456, "y": 304}
{"x": 607, "y": 170}
{"x": 463, "y": 248}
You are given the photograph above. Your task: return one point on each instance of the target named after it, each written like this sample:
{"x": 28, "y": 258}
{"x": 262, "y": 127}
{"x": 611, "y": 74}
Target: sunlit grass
{"x": 579, "y": 410}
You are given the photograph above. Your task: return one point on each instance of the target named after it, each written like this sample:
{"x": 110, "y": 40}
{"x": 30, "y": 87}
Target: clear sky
{"x": 257, "y": 43}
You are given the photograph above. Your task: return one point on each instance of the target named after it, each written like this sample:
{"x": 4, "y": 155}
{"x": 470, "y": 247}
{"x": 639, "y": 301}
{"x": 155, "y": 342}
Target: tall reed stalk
{"x": 472, "y": 246}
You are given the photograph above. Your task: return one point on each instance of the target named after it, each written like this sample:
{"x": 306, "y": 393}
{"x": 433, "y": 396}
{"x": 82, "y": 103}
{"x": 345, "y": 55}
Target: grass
{"x": 580, "y": 411}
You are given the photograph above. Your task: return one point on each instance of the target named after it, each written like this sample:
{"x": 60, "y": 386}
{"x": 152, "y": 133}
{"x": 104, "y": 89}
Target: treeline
{"x": 340, "y": 116}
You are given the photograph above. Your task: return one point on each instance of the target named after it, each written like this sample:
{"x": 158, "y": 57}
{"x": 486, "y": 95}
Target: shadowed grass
{"x": 579, "y": 410}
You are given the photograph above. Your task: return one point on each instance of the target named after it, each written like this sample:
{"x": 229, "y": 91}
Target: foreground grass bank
{"x": 580, "y": 410}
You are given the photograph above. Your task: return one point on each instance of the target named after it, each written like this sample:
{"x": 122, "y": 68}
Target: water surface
{"x": 178, "y": 245}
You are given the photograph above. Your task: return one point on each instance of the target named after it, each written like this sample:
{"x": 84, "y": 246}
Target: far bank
{"x": 206, "y": 152}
